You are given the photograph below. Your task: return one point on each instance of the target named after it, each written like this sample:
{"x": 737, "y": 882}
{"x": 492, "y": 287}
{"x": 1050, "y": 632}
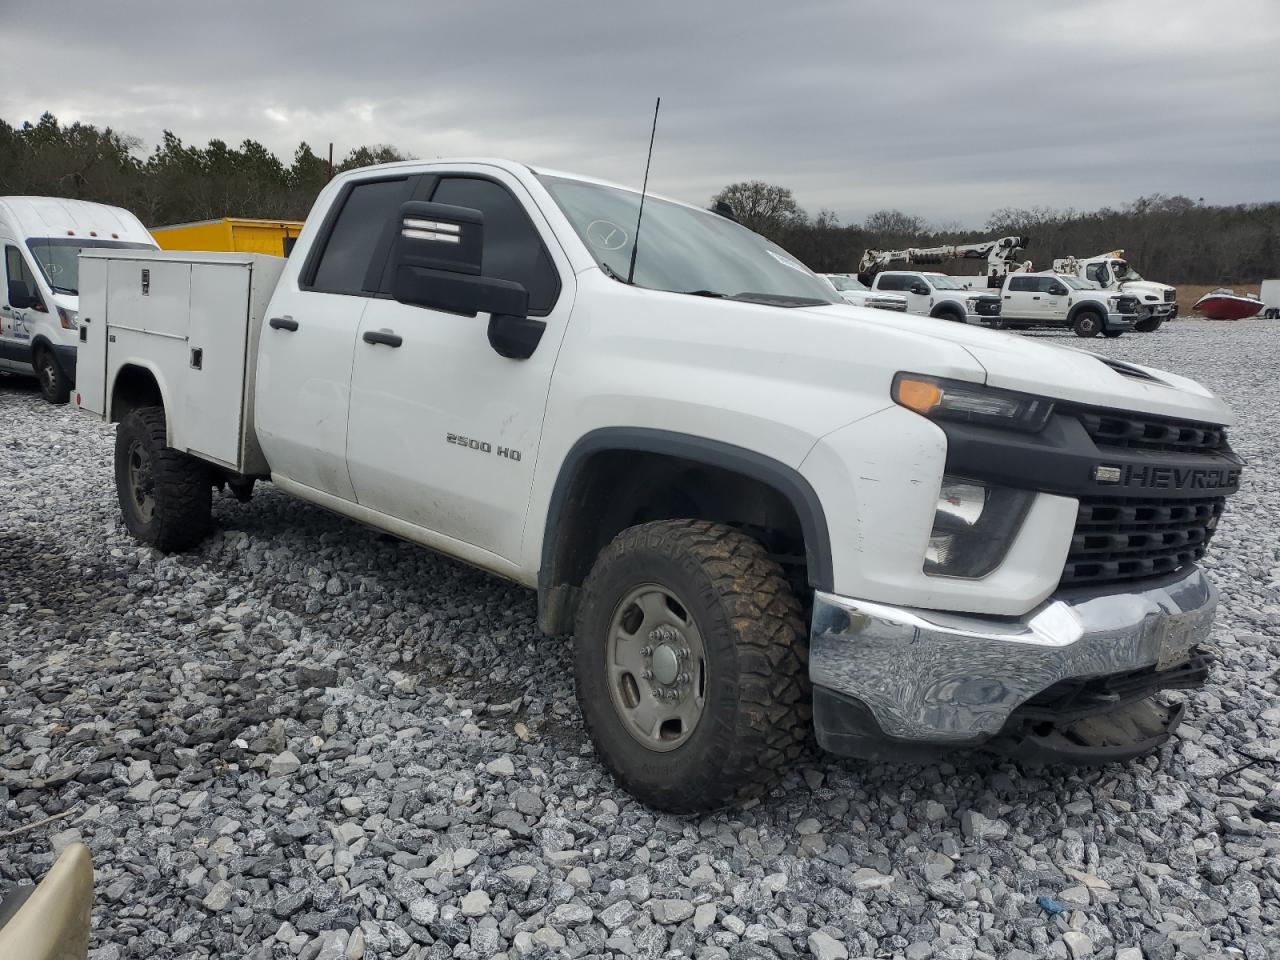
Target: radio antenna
{"x": 635, "y": 243}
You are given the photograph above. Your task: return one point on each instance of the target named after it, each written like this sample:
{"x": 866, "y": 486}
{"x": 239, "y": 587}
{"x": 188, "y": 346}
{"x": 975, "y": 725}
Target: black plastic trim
{"x": 307, "y": 275}
{"x": 786, "y": 480}
{"x": 1062, "y": 458}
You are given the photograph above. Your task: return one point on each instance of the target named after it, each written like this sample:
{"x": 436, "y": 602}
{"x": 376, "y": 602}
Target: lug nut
{"x": 683, "y": 678}
{"x": 647, "y": 675}
{"x": 646, "y": 652}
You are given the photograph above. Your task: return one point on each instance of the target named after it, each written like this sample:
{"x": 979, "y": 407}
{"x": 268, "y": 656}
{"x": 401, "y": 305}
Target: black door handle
{"x": 384, "y": 337}
{"x": 283, "y": 323}
{"x": 1035, "y": 298}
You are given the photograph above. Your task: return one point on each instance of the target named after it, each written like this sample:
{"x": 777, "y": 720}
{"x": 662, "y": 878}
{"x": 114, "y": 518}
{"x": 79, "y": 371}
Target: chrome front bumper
{"x": 938, "y": 678}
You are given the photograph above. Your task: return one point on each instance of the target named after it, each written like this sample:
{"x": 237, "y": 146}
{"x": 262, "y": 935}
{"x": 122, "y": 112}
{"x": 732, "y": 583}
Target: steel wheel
{"x": 142, "y": 483}
{"x": 657, "y": 667}
{"x": 48, "y": 374}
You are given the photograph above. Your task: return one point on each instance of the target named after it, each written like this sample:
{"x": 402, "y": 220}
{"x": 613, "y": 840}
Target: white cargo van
{"x": 40, "y": 300}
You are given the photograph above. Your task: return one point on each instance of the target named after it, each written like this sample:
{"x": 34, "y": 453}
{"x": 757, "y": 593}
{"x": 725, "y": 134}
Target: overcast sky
{"x": 945, "y": 108}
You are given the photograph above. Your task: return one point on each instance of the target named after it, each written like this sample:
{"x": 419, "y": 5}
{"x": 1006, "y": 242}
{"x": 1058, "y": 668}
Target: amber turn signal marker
{"x": 918, "y": 395}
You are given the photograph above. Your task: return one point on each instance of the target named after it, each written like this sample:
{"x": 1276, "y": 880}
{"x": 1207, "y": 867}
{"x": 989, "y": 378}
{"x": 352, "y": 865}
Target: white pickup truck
{"x": 940, "y": 296}
{"x": 1050, "y": 299}
{"x": 762, "y": 513}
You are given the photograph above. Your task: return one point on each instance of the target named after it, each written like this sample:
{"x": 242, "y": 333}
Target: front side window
{"x": 368, "y": 209}
{"x": 59, "y": 258}
{"x": 683, "y": 249}
{"x": 1048, "y": 285}
{"x": 512, "y": 248}
{"x": 21, "y": 290}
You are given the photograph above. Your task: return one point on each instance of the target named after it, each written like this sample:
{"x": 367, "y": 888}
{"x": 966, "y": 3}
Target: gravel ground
{"x": 306, "y": 739}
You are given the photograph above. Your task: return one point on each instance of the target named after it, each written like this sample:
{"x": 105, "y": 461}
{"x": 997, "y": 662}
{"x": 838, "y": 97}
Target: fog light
{"x": 973, "y": 527}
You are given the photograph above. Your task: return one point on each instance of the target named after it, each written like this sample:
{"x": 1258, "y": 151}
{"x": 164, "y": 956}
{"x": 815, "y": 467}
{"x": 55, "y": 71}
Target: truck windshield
{"x": 684, "y": 250}
{"x": 945, "y": 283}
{"x": 1124, "y": 272}
{"x": 58, "y": 259}
{"x": 1073, "y": 283}
{"x": 846, "y": 283}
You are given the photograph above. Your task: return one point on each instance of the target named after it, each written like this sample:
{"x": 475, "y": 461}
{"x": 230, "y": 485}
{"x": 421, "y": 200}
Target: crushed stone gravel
{"x": 306, "y": 739}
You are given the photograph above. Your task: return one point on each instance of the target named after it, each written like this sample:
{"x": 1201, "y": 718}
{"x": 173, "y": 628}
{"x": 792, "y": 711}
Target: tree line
{"x": 175, "y": 183}
{"x": 1173, "y": 239}
{"x": 1169, "y": 238}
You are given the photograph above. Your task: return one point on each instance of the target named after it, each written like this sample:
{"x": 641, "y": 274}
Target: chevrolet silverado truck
{"x": 939, "y": 296}
{"x": 762, "y": 513}
{"x": 1050, "y": 299}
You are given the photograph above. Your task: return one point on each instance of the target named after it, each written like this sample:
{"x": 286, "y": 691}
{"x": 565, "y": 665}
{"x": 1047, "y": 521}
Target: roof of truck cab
{"x": 58, "y": 217}
{"x": 514, "y": 166}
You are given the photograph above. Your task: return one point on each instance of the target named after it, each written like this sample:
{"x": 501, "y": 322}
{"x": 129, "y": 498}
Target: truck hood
{"x": 1020, "y": 363}
{"x": 1138, "y": 287}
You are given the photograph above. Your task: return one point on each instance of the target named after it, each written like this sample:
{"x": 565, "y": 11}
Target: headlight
{"x": 973, "y": 527}
{"x": 940, "y": 399}
{"x": 68, "y": 319}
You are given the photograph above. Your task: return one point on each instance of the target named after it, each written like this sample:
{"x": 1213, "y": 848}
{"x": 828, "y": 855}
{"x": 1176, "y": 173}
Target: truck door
{"x": 1021, "y": 299}
{"x": 1053, "y": 299}
{"x": 21, "y": 309}
{"x": 309, "y": 335}
{"x": 444, "y": 432}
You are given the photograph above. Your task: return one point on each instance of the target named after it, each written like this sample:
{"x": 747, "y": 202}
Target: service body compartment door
{"x": 91, "y": 354}
{"x": 217, "y": 347}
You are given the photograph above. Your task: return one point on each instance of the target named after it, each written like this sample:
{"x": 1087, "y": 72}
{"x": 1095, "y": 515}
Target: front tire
{"x": 1087, "y": 324}
{"x": 1111, "y": 334}
{"x": 166, "y": 496}
{"x": 691, "y": 665}
{"x": 55, "y": 386}
{"x": 1149, "y": 325}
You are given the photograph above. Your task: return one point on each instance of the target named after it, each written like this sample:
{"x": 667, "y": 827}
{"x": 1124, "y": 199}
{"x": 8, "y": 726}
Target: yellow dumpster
{"x": 231, "y": 235}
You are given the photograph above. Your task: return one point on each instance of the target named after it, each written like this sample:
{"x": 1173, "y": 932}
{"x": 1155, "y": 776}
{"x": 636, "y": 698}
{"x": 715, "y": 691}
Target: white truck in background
{"x": 1157, "y": 302}
{"x": 1049, "y": 299}
{"x": 763, "y": 513}
{"x": 41, "y": 238}
{"x": 939, "y": 296}
{"x": 854, "y": 291}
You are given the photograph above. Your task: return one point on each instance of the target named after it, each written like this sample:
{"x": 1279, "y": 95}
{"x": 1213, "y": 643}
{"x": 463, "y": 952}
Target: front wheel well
{"x": 610, "y": 490}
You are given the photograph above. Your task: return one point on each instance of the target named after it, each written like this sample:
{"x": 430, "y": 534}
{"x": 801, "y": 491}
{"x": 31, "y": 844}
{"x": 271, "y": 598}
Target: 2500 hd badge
{"x": 481, "y": 446}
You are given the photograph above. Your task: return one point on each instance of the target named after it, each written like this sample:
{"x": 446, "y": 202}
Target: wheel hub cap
{"x": 656, "y": 667}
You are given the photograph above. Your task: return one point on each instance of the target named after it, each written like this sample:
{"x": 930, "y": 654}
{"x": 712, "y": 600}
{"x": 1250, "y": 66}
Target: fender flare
{"x": 949, "y": 306}
{"x": 41, "y": 341}
{"x": 788, "y": 481}
{"x": 1093, "y": 306}
{"x": 150, "y": 367}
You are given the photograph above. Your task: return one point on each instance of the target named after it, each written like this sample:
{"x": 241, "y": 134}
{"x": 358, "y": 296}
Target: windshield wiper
{"x": 608, "y": 271}
{"x": 704, "y": 293}
{"x": 780, "y": 299}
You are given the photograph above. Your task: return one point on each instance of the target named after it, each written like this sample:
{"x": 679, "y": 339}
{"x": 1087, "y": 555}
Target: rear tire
{"x": 55, "y": 386}
{"x": 166, "y": 496}
{"x": 704, "y": 600}
{"x": 1087, "y": 324}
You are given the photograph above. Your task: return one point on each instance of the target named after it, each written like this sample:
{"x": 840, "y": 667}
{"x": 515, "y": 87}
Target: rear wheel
{"x": 166, "y": 496}
{"x": 691, "y": 665}
{"x": 1087, "y": 324}
{"x": 54, "y": 384}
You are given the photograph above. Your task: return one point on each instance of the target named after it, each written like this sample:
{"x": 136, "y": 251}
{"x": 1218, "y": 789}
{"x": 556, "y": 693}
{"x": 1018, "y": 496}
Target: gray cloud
{"x": 947, "y": 110}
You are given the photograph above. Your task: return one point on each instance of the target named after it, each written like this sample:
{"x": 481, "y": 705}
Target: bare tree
{"x": 763, "y": 207}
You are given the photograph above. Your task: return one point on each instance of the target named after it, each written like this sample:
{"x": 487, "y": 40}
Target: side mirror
{"x": 438, "y": 259}
{"x": 920, "y": 289}
{"x": 1058, "y": 290}
{"x": 725, "y": 209}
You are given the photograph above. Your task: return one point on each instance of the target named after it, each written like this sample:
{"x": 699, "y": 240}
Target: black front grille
{"x": 1129, "y": 538}
{"x": 1169, "y": 296}
{"x": 988, "y": 308}
{"x": 1141, "y": 431}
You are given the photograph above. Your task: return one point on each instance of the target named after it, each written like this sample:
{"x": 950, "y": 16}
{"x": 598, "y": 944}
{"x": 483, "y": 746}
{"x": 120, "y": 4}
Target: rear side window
{"x": 512, "y": 248}
{"x": 1022, "y": 284}
{"x": 365, "y": 213}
